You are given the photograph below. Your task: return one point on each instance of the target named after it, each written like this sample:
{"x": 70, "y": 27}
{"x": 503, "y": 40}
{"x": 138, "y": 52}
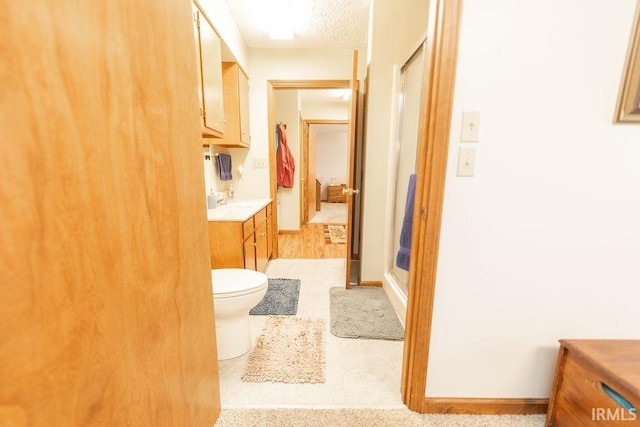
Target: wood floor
{"x": 309, "y": 243}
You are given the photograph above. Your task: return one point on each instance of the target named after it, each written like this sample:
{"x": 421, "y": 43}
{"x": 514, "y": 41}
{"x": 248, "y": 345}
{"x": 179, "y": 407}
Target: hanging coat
{"x": 284, "y": 160}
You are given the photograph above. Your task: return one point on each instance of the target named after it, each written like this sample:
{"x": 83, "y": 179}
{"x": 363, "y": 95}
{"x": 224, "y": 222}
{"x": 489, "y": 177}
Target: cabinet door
{"x": 270, "y": 236}
{"x": 243, "y": 90}
{"x": 250, "y": 253}
{"x": 210, "y": 53}
{"x": 236, "y": 107}
{"x": 261, "y": 247}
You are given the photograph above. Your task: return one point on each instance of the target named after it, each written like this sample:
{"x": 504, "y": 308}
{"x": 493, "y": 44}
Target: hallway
{"x": 359, "y": 373}
{"x": 309, "y": 243}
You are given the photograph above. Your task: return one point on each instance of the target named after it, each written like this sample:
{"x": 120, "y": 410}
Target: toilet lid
{"x": 227, "y": 281}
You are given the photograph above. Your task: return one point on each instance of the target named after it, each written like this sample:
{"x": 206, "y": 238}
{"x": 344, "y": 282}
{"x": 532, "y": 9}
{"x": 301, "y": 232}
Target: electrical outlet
{"x": 466, "y": 161}
{"x": 259, "y": 163}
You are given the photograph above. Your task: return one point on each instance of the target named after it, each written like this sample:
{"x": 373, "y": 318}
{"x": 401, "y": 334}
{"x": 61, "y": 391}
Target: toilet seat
{"x": 233, "y": 282}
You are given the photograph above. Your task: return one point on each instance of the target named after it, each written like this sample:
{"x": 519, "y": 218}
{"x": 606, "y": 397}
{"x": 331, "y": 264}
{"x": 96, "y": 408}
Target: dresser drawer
{"x": 589, "y": 393}
{"x": 248, "y": 228}
{"x": 260, "y": 217}
{"x": 335, "y": 195}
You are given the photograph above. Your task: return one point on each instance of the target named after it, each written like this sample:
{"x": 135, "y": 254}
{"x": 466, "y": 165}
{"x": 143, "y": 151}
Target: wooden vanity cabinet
{"x": 209, "y": 57}
{"x": 236, "y": 107}
{"x": 270, "y": 232}
{"x": 240, "y": 244}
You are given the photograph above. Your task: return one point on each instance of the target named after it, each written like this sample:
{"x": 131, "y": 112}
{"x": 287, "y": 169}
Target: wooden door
{"x": 107, "y": 307}
{"x": 351, "y": 192}
{"x": 311, "y": 174}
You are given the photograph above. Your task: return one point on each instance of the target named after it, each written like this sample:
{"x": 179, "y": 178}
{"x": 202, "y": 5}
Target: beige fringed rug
{"x": 289, "y": 350}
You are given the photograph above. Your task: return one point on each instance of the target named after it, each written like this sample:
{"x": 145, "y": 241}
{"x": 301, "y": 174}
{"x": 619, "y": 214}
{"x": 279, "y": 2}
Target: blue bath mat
{"x": 281, "y": 298}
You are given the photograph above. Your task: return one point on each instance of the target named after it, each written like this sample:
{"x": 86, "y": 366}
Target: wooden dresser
{"x": 335, "y": 195}
{"x": 596, "y": 383}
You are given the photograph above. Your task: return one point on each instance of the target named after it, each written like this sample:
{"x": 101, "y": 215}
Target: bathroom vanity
{"x": 241, "y": 234}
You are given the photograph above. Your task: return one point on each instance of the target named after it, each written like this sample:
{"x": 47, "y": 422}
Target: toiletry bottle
{"x": 212, "y": 201}
{"x": 231, "y": 194}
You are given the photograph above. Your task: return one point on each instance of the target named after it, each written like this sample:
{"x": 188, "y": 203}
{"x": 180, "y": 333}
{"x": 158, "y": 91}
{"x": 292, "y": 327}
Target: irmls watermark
{"x": 618, "y": 414}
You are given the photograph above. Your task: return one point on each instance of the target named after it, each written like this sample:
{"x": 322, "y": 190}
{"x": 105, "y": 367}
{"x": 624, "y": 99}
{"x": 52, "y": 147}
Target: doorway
{"x": 285, "y": 108}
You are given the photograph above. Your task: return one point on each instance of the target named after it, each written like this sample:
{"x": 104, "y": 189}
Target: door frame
{"x": 305, "y": 158}
{"x": 438, "y": 88}
{"x": 273, "y": 85}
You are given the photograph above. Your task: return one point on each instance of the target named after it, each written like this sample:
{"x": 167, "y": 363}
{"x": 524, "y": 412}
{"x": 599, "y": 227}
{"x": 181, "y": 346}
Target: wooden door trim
{"x": 484, "y": 406}
{"x": 441, "y": 55}
{"x": 309, "y": 84}
{"x": 273, "y": 85}
{"x": 305, "y": 148}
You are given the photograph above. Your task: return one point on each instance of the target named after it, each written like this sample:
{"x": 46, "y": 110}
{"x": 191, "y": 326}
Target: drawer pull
{"x": 617, "y": 397}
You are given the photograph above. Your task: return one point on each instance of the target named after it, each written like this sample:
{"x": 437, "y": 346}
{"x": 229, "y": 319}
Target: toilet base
{"x": 233, "y": 336}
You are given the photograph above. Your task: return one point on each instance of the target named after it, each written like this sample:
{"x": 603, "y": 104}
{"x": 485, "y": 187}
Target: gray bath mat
{"x": 363, "y": 313}
{"x": 281, "y": 298}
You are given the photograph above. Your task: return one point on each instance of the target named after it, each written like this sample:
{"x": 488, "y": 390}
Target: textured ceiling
{"x": 315, "y": 23}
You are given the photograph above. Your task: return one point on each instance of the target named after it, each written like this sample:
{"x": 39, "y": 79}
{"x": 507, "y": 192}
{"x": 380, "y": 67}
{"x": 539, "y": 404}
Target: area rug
{"x": 363, "y": 313}
{"x": 281, "y": 298}
{"x": 335, "y": 233}
{"x": 289, "y": 350}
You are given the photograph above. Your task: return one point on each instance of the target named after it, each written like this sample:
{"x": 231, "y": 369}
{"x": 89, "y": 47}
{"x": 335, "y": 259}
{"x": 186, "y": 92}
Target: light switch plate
{"x": 467, "y": 161}
{"x": 470, "y": 126}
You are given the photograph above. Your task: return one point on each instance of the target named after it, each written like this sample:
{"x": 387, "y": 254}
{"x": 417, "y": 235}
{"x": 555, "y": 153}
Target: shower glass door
{"x": 412, "y": 75}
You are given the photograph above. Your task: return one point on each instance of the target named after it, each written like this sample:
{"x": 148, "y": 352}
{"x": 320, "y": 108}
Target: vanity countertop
{"x": 237, "y": 210}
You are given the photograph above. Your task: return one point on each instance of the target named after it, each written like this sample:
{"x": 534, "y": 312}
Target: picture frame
{"x": 628, "y": 106}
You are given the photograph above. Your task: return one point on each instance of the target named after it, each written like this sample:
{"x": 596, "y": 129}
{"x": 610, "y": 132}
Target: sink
{"x": 237, "y": 205}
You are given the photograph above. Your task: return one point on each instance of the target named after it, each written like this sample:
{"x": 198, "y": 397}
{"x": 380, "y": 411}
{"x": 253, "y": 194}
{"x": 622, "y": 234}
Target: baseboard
{"x": 374, "y": 284}
{"x": 479, "y": 406}
{"x": 288, "y": 231}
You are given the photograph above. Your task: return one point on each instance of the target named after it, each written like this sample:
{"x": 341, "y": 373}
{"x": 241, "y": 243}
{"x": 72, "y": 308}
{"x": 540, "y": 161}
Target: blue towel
{"x": 224, "y": 167}
{"x": 404, "y": 253}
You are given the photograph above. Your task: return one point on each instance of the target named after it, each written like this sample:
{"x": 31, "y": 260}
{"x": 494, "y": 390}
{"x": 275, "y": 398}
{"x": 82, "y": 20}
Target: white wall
{"x": 325, "y": 110}
{"x": 544, "y": 242}
{"x": 287, "y": 109}
{"x": 280, "y": 64}
{"x": 387, "y": 17}
{"x": 332, "y": 158}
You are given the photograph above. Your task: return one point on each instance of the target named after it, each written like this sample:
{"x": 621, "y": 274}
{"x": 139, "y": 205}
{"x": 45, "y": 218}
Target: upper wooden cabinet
{"x": 209, "y": 54}
{"x": 236, "y": 107}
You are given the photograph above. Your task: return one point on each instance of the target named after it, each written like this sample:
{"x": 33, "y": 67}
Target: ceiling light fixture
{"x": 280, "y": 19}
{"x": 281, "y": 34}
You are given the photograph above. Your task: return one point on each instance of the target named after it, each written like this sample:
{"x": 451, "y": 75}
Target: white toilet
{"x": 235, "y": 292}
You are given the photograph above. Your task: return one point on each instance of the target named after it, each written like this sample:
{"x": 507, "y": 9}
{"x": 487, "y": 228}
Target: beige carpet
{"x": 330, "y": 213}
{"x": 300, "y": 417}
{"x": 289, "y": 350}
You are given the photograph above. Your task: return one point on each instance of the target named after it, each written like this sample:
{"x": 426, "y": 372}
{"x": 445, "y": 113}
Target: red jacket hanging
{"x": 284, "y": 160}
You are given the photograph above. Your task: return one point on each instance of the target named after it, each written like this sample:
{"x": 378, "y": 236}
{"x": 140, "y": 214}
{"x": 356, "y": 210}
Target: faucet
{"x": 220, "y": 199}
